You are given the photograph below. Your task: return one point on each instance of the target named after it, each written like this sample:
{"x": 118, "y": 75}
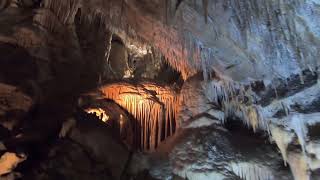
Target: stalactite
{"x": 282, "y": 139}
{"x": 229, "y": 96}
{"x": 311, "y": 70}
{"x": 299, "y": 126}
{"x": 185, "y": 62}
{"x": 55, "y": 14}
{"x": 65, "y": 10}
{"x": 299, "y": 166}
{"x": 107, "y": 52}
{"x": 286, "y": 130}
{"x": 251, "y": 116}
{"x": 154, "y": 107}
{"x": 293, "y": 126}
{"x": 301, "y": 77}
{"x": 47, "y": 20}
{"x": 217, "y": 92}
{"x": 205, "y": 9}
{"x": 249, "y": 171}
{"x": 285, "y": 108}
{"x": 275, "y": 92}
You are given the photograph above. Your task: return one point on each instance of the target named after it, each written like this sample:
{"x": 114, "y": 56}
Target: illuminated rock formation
{"x": 99, "y": 113}
{"x": 154, "y": 107}
{"x": 9, "y": 161}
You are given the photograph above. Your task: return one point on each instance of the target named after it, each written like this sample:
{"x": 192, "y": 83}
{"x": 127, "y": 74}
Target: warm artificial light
{"x": 99, "y": 112}
{"x": 154, "y": 107}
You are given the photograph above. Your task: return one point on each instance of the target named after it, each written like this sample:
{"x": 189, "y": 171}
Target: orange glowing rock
{"x": 9, "y": 161}
{"x": 153, "y": 106}
{"x": 98, "y": 112}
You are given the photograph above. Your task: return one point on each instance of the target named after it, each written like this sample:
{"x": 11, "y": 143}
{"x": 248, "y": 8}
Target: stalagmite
{"x": 154, "y": 107}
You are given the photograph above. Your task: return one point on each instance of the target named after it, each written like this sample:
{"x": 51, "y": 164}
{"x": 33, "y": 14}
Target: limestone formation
{"x": 159, "y": 89}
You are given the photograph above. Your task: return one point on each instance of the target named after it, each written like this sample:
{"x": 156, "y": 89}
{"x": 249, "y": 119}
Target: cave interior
{"x": 159, "y": 89}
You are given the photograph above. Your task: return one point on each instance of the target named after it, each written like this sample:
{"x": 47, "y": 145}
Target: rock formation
{"x": 159, "y": 89}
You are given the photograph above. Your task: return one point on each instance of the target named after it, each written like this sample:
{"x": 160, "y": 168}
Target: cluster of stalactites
{"x": 229, "y": 96}
{"x": 54, "y": 14}
{"x": 182, "y": 52}
{"x": 251, "y": 171}
{"x": 289, "y": 130}
{"x": 249, "y": 115}
{"x": 154, "y": 108}
{"x": 65, "y": 10}
{"x": 292, "y": 130}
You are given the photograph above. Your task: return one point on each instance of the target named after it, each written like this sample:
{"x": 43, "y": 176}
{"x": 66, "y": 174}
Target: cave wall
{"x": 232, "y": 37}
{"x": 241, "y": 37}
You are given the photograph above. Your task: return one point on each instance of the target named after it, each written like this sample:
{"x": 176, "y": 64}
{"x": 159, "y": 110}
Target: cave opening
{"x": 141, "y": 81}
{"x": 141, "y": 70}
{"x": 136, "y": 64}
